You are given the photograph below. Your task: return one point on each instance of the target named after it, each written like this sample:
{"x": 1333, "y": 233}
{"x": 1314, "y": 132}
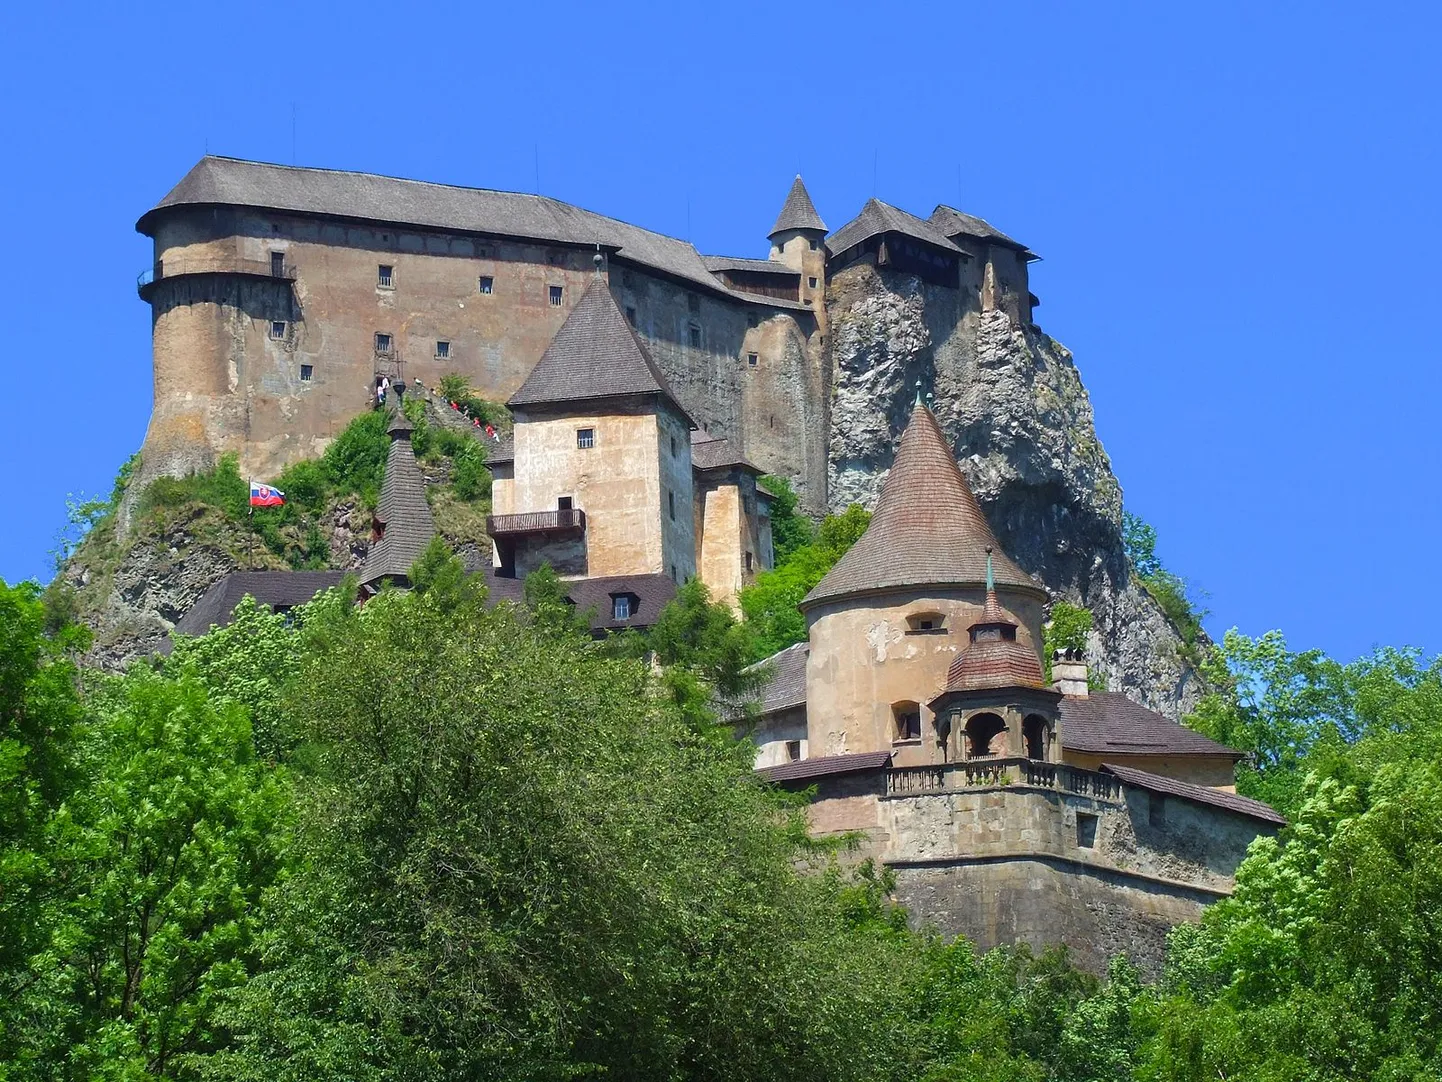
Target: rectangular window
{"x": 306, "y": 371}
{"x": 813, "y": 246}
{"x": 383, "y": 343}
{"x": 811, "y": 283}
{"x": 748, "y": 563}
{"x": 631, "y": 315}
{"x": 1086, "y": 830}
{"x": 485, "y": 283}
{"x": 793, "y": 750}
{"x": 555, "y": 296}
{"x": 443, "y": 349}
{"x": 563, "y": 503}
{"x": 277, "y": 328}
{"x": 671, "y": 504}
{"x": 675, "y": 577}
{"x": 585, "y": 438}
{"x": 384, "y": 276}
{"x": 695, "y": 336}
{"x": 752, "y": 359}
{"x": 621, "y": 607}
{"x": 277, "y": 264}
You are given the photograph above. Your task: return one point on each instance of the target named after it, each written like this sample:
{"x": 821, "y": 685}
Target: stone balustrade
{"x": 1001, "y": 771}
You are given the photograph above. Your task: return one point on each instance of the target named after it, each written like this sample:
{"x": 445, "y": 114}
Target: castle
{"x": 280, "y": 295}
{"x": 646, "y": 384}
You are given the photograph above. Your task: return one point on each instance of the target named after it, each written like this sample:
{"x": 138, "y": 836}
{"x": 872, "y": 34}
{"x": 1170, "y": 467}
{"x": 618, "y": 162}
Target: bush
{"x": 305, "y": 484}
{"x": 356, "y": 461}
{"x": 469, "y": 477}
{"x": 221, "y": 487}
{"x": 1068, "y": 630}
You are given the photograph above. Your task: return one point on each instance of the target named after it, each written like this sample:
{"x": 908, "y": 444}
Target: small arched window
{"x": 906, "y": 721}
{"x": 1034, "y": 736}
{"x": 922, "y": 623}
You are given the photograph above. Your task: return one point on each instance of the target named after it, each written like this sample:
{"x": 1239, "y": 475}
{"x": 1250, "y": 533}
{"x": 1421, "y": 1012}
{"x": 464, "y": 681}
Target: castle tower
{"x": 888, "y": 620}
{"x": 602, "y": 483}
{"x": 798, "y": 241}
{"x": 996, "y": 702}
{"x": 403, "y": 525}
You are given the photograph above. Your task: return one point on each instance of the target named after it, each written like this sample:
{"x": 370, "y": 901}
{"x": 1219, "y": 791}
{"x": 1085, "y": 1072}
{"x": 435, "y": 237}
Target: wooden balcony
{"x": 568, "y": 520}
{"x": 219, "y": 264}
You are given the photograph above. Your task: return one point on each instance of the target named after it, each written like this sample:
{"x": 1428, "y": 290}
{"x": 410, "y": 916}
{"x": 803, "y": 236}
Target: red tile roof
{"x": 927, "y": 529}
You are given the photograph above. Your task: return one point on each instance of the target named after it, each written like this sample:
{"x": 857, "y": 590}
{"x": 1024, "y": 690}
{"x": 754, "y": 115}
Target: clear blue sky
{"x": 1237, "y": 205}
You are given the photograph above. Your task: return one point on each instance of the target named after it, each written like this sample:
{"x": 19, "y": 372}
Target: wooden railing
{"x": 536, "y": 522}
{"x": 996, "y": 772}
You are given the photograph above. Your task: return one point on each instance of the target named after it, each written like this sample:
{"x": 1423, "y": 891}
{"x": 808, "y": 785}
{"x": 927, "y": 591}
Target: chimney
{"x": 1069, "y": 673}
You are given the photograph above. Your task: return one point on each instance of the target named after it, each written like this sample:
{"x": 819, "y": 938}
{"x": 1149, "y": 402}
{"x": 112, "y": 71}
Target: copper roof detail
{"x": 594, "y": 355}
{"x": 927, "y": 529}
{"x": 798, "y": 212}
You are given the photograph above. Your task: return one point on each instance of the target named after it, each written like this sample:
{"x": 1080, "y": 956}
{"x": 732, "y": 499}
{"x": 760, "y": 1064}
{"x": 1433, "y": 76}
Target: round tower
{"x": 798, "y": 240}
{"x": 887, "y": 622}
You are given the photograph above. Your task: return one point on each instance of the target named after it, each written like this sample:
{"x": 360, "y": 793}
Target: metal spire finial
{"x": 990, "y": 579}
{"x": 918, "y": 392}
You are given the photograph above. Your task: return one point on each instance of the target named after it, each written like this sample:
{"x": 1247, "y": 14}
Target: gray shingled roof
{"x": 403, "y": 512}
{"x": 277, "y": 589}
{"x": 827, "y": 766}
{"x": 1103, "y": 722}
{"x": 876, "y": 218}
{"x": 710, "y": 452}
{"x": 953, "y": 223}
{"x": 594, "y": 355}
{"x": 787, "y": 687}
{"x": 333, "y": 192}
{"x": 504, "y": 451}
{"x": 750, "y": 266}
{"x": 1217, "y": 798}
{"x": 927, "y": 528}
{"x": 798, "y": 212}
{"x": 650, "y": 591}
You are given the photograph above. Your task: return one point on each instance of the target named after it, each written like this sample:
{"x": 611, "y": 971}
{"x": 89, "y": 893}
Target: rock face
{"x": 1012, "y": 402}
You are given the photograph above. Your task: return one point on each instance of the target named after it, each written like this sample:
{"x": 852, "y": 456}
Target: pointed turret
{"x": 595, "y": 355}
{"x": 927, "y": 528}
{"x": 403, "y": 522}
{"x": 798, "y": 212}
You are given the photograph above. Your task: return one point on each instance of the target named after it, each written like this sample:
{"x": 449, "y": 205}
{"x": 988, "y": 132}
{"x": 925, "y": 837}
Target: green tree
{"x": 1068, "y": 629}
{"x": 160, "y": 858}
{"x": 770, "y": 603}
{"x": 790, "y": 529}
{"x": 519, "y": 863}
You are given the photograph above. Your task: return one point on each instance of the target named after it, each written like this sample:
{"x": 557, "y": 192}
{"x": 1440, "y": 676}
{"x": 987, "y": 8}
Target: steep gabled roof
{"x": 787, "y": 687}
{"x": 1217, "y": 798}
{"x": 927, "y": 528}
{"x": 876, "y": 218}
{"x": 957, "y": 223}
{"x": 594, "y": 355}
{"x": 798, "y": 212}
{"x": 368, "y": 196}
{"x": 1107, "y": 722}
{"x": 403, "y": 512}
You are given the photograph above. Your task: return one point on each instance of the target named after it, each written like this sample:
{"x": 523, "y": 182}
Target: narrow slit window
{"x": 695, "y": 336}
{"x": 793, "y": 750}
{"x": 671, "y": 505}
{"x": 631, "y": 314}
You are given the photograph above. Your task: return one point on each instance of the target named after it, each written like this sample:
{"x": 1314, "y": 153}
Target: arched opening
{"x": 981, "y": 733}
{"x": 1033, "y": 735}
{"x": 906, "y": 721}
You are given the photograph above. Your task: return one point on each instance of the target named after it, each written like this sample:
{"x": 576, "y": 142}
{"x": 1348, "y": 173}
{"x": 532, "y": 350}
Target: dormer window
{"x": 922, "y": 623}
{"x": 622, "y": 606}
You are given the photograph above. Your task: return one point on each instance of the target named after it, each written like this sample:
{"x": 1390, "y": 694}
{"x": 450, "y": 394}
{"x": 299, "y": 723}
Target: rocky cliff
{"x": 1012, "y": 402}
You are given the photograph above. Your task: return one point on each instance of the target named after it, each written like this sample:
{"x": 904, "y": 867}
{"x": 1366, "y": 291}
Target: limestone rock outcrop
{"x": 1011, "y": 401}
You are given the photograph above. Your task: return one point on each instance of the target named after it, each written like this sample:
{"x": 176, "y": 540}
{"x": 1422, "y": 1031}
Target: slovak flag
{"x": 265, "y": 496}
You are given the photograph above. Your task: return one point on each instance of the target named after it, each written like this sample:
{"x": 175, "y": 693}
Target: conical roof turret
{"x": 403, "y": 521}
{"x": 927, "y": 529}
{"x": 994, "y": 658}
{"x": 798, "y": 212}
